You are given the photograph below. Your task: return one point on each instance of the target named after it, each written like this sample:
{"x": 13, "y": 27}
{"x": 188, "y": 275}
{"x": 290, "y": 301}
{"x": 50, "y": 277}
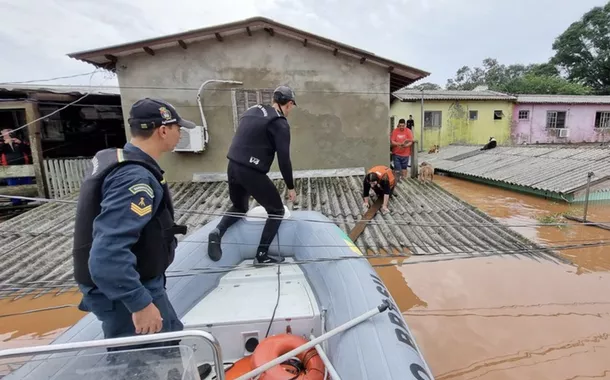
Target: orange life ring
{"x": 240, "y": 367}
{"x": 276, "y": 346}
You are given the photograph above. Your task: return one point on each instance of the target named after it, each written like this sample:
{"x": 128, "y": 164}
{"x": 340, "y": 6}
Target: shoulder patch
{"x": 140, "y": 207}
{"x": 142, "y": 188}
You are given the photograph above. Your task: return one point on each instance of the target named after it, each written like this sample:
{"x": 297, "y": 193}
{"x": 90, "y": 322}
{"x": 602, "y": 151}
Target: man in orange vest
{"x": 382, "y": 181}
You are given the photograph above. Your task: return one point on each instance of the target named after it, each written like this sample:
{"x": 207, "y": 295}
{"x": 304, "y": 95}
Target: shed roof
{"x": 59, "y": 89}
{"x": 37, "y": 244}
{"x": 106, "y": 57}
{"x": 564, "y": 99}
{"x": 414, "y": 95}
{"x": 559, "y": 169}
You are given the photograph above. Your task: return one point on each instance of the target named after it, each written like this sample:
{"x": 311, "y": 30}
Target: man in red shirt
{"x": 401, "y": 141}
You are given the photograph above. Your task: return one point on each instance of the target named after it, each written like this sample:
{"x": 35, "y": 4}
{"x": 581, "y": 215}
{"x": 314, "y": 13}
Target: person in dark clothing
{"x": 15, "y": 152}
{"x": 382, "y": 181}
{"x": 410, "y": 122}
{"x": 124, "y": 236}
{"x": 263, "y": 131}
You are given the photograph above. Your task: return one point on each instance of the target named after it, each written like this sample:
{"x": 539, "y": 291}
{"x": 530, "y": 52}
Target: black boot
{"x": 214, "y": 250}
{"x": 265, "y": 258}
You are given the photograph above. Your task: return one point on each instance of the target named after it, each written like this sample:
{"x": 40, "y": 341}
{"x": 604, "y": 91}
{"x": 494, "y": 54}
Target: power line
{"x": 49, "y": 79}
{"x": 584, "y": 243}
{"x": 12, "y": 287}
{"x": 297, "y": 90}
{"x": 331, "y": 220}
{"x": 60, "y": 109}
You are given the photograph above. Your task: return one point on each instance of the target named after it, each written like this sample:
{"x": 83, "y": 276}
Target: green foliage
{"x": 583, "y": 50}
{"x": 426, "y": 86}
{"x": 538, "y": 84}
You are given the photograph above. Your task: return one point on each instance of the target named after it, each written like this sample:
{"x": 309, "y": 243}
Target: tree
{"x": 427, "y": 86}
{"x": 541, "y": 84}
{"x": 583, "y": 50}
{"x": 516, "y": 79}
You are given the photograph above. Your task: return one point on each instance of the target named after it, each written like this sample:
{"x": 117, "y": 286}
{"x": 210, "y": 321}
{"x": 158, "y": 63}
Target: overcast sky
{"x": 438, "y": 36}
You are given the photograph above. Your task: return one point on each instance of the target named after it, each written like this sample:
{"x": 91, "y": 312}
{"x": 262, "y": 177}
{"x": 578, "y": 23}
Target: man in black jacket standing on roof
{"x": 263, "y": 130}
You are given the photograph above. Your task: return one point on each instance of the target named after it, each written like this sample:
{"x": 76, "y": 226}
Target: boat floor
{"x": 239, "y": 310}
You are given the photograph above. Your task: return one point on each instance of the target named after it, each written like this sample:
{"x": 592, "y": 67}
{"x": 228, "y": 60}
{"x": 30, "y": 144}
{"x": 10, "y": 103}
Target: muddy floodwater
{"x": 484, "y": 318}
{"x": 510, "y": 318}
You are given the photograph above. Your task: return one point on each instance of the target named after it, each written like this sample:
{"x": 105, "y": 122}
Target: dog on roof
{"x": 435, "y": 148}
{"x": 426, "y": 172}
{"x": 490, "y": 145}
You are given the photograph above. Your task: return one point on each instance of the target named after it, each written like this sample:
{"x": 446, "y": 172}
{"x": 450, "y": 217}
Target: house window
{"x": 473, "y": 115}
{"x": 556, "y": 119}
{"x": 498, "y": 114}
{"x": 524, "y": 115}
{"x": 246, "y": 98}
{"x": 602, "y": 119}
{"x": 432, "y": 119}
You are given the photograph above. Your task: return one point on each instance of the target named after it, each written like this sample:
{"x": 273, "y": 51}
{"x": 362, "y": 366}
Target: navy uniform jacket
{"x": 116, "y": 229}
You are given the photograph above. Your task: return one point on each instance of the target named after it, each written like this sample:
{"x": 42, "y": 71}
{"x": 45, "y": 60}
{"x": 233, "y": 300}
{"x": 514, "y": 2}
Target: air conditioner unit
{"x": 191, "y": 140}
{"x": 563, "y": 132}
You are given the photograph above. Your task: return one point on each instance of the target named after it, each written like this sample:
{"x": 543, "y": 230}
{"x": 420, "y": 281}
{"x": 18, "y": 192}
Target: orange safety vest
{"x": 383, "y": 172}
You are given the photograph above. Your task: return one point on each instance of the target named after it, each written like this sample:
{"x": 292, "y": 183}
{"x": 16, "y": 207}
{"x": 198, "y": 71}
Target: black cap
{"x": 152, "y": 113}
{"x": 284, "y": 94}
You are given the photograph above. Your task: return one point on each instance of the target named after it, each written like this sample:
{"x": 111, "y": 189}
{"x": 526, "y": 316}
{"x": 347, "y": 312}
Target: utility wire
{"x": 60, "y": 109}
{"x": 48, "y": 284}
{"x": 50, "y": 79}
{"x": 331, "y": 220}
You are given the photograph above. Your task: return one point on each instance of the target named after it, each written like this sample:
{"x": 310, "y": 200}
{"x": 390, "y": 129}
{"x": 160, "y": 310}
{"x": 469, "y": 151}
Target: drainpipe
{"x": 421, "y": 124}
{"x": 206, "y": 137}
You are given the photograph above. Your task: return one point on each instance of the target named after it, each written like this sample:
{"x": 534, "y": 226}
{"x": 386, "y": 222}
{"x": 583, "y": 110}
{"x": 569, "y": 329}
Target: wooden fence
{"x": 64, "y": 175}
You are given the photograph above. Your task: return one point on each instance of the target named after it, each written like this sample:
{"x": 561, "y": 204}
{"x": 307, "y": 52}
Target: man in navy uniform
{"x": 124, "y": 236}
{"x": 263, "y": 131}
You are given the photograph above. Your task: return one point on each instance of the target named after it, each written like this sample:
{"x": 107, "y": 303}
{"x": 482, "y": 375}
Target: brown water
{"x": 512, "y": 208}
{"x": 509, "y": 318}
{"x": 38, "y": 328}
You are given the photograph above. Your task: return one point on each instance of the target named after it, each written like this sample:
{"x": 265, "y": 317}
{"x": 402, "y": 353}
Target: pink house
{"x": 561, "y": 119}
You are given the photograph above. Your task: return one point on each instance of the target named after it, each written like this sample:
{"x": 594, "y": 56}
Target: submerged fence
{"x": 595, "y": 202}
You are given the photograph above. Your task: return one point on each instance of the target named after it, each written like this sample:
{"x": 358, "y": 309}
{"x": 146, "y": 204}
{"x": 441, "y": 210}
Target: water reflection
{"x": 512, "y": 208}
{"x": 505, "y": 318}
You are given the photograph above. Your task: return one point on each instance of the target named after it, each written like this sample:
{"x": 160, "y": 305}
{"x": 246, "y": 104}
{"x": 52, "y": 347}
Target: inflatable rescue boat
{"x": 323, "y": 313}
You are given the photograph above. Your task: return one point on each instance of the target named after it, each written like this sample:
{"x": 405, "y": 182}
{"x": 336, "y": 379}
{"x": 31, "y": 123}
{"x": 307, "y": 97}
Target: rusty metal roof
{"x": 564, "y": 99}
{"x": 36, "y": 246}
{"x": 559, "y": 169}
{"x": 414, "y": 94}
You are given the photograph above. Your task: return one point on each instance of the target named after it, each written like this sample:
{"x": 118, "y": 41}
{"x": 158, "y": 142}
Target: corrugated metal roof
{"x": 413, "y": 94}
{"x": 564, "y": 99}
{"x": 559, "y": 169}
{"x": 61, "y": 89}
{"x": 41, "y": 250}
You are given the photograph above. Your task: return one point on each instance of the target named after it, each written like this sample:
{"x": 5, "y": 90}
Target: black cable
{"x": 277, "y": 302}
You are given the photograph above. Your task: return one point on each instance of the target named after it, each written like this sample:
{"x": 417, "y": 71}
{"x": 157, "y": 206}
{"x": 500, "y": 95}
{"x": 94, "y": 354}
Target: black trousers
{"x": 243, "y": 183}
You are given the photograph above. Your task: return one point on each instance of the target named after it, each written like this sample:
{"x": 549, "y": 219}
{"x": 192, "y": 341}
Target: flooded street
{"x": 510, "y": 318}
{"x": 483, "y": 318}
{"x": 39, "y": 327}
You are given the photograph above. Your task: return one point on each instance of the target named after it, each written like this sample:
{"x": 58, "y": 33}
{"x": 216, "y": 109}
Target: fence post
{"x": 414, "y": 164}
{"x": 589, "y": 175}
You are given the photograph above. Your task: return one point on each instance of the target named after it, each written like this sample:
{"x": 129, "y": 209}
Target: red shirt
{"x": 401, "y": 137}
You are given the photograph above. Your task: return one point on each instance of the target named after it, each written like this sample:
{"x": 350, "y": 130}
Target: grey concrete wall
{"x": 345, "y": 128}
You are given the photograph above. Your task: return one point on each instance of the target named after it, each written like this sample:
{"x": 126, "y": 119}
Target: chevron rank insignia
{"x": 140, "y": 206}
{"x": 142, "y": 188}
